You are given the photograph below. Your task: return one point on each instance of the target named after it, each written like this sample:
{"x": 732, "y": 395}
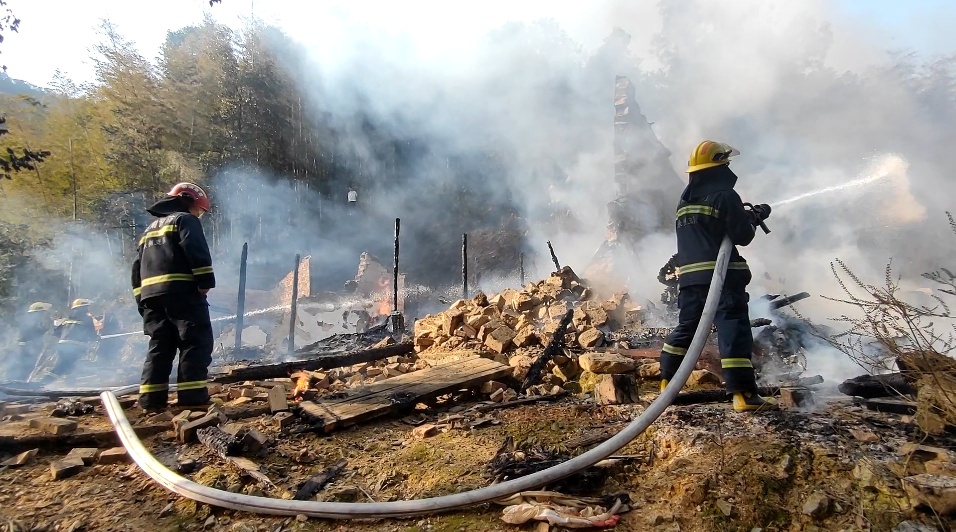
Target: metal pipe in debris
{"x": 295, "y": 296}
{"x": 464, "y": 266}
{"x": 554, "y": 258}
{"x": 241, "y": 302}
{"x": 398, "y": 227}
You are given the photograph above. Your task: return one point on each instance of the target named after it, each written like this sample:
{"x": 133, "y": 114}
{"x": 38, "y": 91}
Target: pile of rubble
{"x": 514, "y": 319}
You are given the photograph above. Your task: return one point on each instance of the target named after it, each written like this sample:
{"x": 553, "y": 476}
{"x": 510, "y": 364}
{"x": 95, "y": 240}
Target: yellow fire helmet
{"x": 708, "y": 154}
{"x": 39, "y": 306}
{"x": 77, "y": 303}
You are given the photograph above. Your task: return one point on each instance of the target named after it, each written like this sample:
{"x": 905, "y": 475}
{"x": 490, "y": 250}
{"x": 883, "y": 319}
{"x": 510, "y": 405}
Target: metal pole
{"x": 398, "y": 226}
{"x": 241, "y": 303}
{"x": 464, "y": 266}
{"x": 521, "y": 267}
{"x": 295, "y": 296}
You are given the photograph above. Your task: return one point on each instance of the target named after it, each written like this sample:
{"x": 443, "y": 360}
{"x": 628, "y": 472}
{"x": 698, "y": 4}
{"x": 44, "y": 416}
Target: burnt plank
{"x": 284, "y": 369}
{"x": 395, "y": 393}
{"x": 872, "y": 386}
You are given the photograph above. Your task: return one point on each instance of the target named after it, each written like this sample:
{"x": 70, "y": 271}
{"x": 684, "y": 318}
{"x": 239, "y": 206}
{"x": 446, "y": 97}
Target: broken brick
{"x": 20, "y": 459}
{"x": 13, "y": 410}
{"x": 66, "y": 467}
{"x": 187, "y": 432}
{"x": 87, "y": 454}
{"x": 796, "y": 397}
{"x": 283, "y": 419}
{"x": 254, "y": 440}
{"x": 114, "y": 455}
{"x": 277, "y": 400}
{"x": 53, "y": 425}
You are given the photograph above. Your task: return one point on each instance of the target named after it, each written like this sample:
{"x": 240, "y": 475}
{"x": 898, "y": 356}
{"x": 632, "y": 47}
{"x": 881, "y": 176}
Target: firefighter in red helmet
{"x": 171, "y": 276}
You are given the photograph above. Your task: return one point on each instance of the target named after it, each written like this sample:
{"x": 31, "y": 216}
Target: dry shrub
{"x": 887, "y": 331}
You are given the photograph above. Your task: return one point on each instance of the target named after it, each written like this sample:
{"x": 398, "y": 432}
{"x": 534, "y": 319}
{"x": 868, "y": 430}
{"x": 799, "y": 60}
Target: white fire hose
{"x": 341, "y": 510}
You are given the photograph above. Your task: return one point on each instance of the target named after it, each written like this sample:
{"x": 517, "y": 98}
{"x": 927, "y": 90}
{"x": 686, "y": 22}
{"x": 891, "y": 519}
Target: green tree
{"x": 129, "y": 89}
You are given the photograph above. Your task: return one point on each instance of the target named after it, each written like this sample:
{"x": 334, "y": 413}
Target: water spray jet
{"x": 882, "y": 171}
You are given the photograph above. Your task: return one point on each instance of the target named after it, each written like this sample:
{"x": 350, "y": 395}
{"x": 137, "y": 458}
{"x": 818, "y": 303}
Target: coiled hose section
{"x": 341, "y": 510}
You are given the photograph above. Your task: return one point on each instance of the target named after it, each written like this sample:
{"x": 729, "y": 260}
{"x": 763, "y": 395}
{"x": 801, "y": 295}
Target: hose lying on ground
{"x": 79, "y": 392}
{"x": 341, "y": 510}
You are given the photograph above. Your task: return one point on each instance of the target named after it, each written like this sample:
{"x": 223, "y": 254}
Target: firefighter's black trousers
{"x": 176, "y": 322}
{"x": 734, "y": 337}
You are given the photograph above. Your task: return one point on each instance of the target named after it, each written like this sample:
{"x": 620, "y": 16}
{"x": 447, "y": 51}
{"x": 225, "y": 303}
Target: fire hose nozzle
{"x": 756, "y": 215}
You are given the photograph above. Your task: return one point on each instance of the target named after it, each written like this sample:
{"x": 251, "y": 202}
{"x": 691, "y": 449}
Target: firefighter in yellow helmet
{"x": 709, "y": 209}
{"x": 32, "y": 328}
{"x": 77, "y": 337}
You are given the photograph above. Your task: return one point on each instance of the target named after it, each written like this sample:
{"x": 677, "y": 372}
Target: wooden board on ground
{"x": 284, "y": 369}
{"x": 392, "y": 394}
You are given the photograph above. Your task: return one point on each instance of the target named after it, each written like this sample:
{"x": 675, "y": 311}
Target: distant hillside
{"x": 9, "y": 85}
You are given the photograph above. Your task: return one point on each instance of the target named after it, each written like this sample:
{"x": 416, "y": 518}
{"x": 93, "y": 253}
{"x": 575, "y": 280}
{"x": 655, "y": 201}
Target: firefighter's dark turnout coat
{"x": 709, "y": 209}
{"x": 173, "y": 264}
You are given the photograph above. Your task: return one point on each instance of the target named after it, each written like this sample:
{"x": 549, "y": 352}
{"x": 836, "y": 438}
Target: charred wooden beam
{"x": 521, "y": 268}
{"x": 789, "y": 300}
{"x": 871, "y": 386}
{"x": 284, "y": 369}
{"x": 891, "y": 406}
{"x": 319, "y": 481}
{"x": 295, "y": 297}
{"x": 219, "y": 441}
{"x": 553, "y": 348}
{"x": 241, "y": 302}
{"x": 554, "y": 258}
{"x": 464, "y": 266}
{"x": 520, "y": 402}
{"x": 398, "y": 228}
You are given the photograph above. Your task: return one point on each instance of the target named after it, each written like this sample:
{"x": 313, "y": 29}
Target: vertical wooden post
{"x": 521, "y": 267}
{"x": 295, "y": 297}
{"x": 241, "y": 302}
{"x": 464, "y": 266}
{"x": 398, "y": 227}
{"x": 554, "y": 258}
{"x": 73, "y": 173}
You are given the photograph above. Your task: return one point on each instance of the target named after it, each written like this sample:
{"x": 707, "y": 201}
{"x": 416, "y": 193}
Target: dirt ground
{"x": 700, "y": 467}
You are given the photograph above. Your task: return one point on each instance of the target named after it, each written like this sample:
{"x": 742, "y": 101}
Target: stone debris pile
{"x": 514, "y": 319}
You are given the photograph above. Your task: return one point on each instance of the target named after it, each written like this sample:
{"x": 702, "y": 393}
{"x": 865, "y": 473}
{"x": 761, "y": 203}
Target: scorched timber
{"x": 403, "y": 391}
{"x": 284, "y": 369}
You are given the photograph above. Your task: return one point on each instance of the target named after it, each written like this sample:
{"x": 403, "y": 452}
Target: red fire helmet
{"x": 194, "y": 191}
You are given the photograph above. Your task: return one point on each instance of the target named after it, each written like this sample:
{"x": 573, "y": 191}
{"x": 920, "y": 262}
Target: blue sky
{"x": 918, "y": 25}
{"x": 58, "y": 34}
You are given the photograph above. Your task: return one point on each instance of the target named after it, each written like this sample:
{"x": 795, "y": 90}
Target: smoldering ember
{"x": 451, "y": 251}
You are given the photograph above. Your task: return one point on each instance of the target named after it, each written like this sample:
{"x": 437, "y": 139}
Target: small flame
{"x": 302, "y": 384}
